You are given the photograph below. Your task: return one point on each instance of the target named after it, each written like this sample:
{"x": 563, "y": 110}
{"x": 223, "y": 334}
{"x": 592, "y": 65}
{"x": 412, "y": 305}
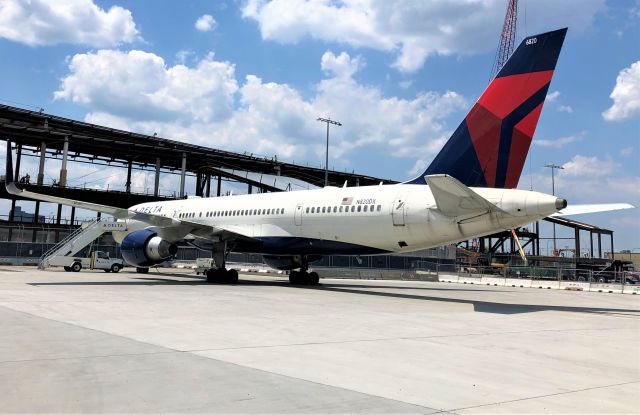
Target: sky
{"x": 253, "y": 76}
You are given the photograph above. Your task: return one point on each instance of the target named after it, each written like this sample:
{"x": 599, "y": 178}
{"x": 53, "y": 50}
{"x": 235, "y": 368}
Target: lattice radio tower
{"x": 507, "y": 37}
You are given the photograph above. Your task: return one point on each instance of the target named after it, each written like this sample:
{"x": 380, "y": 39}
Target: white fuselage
{"x": 354, "y": 220}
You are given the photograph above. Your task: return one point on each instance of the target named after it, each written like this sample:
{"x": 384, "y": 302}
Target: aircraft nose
{"x": 561, "y": 203}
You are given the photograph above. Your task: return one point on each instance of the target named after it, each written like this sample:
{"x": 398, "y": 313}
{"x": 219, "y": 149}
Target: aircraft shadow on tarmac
{"x": 362, "y": 289}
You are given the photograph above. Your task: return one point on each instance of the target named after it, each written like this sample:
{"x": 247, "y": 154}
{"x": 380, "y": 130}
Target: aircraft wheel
{"x": 294, "y": 277}
{"x": 313, "y": 278}
{"x": 76, "y": 267}
{"x": 140, "y": 270}
{"x": 211, "y": 274}
{"x": 231, "y": 276}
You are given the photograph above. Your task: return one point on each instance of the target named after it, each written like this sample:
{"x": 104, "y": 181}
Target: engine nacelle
{"x": 288, "y": 262}
{"x": 145, "y": 248}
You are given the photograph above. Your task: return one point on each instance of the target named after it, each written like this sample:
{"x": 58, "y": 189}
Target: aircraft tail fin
{"x": 490, "y": 146}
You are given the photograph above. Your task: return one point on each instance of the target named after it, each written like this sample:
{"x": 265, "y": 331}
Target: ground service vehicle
{"x": 96, "y": 260}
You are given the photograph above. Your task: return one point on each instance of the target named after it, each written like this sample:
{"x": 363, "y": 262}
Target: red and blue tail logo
{"x": 489, "y": 147}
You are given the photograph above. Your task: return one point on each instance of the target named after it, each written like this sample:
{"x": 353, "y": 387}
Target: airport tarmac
{"x": 167, "y": 342}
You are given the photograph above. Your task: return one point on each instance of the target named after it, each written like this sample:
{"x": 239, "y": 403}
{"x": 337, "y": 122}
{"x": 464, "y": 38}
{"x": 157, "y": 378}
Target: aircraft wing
{"x": 121, "y": 213}
{"x": 454, "y": 199}
{"x": 592, "y": 208}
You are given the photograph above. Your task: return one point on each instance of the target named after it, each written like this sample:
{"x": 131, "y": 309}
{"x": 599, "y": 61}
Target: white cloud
{"x": 585, "y": 166}
{"x": 205, "y": 104}
{"x": 565, "y": 108}
{"x": 411, "y": 30}
{"x": 342, "y": 65}
{"x": 625, "y": 95}
{"x": 626, "y": 152}
{"x": 205, "y": 23}
{"x": 552, "y": 96}
{"x": 43, "y": 22}
{"x": 560, "y": 142}
{"x": 138, "y": 85}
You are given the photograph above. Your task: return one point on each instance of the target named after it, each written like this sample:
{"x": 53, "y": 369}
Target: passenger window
{"x": 313, "y": 210}
{"x": 282, "y": 211}
{"x": 359, "y": 208}
{"x": 340, "y": 209}
{"x": 200, "y": 215}
{"x": 365, "y": 208}
{"x": 323, "y": 209}
{"x": 353, "y": 208}
{"x": 306, "y": 210}
{"x": 379, "y": 208}
{"x": 335, "y": 209}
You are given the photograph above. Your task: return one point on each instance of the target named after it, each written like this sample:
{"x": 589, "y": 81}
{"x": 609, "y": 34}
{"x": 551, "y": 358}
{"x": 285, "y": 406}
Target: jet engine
{"x": 145, "y": 248}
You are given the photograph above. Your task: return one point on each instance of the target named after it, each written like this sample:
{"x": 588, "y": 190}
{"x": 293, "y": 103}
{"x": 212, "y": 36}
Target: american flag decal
{"x": 347, "y": 201}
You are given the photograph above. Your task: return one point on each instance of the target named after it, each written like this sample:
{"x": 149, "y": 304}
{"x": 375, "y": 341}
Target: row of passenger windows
{"x": 280, "y": 211}
{"x": 340, "y": 209}
{"x": 242, "y": 212}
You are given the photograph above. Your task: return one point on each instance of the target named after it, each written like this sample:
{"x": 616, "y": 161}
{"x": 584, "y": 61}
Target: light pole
{"x": 326, "y": 160}
{"x": 553, "y": 167}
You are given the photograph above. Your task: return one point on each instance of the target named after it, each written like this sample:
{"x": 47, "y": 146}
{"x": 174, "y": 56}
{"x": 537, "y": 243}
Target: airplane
{"x": 467, "y": 191}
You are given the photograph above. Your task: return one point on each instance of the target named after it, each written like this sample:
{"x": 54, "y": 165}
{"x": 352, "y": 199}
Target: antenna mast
{"x": 507, "y": 37}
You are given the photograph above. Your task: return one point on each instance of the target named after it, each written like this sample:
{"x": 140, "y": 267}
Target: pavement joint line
{"x": 172, "y": 350}
{"x": 547, "y": 395}
{"x": 399, "y": 338}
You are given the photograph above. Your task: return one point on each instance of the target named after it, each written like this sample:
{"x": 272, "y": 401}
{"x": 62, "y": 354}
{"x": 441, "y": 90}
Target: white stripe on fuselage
{"x": 404, "y": 217}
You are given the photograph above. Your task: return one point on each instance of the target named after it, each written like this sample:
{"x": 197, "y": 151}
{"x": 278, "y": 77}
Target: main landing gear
{"x": 303, "y": 277}
{"x": 221, "y": 274}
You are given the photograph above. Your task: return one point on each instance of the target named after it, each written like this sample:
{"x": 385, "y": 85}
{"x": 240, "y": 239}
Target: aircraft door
{"x": 398, "y": 211}
{"x": 298, "y": 215}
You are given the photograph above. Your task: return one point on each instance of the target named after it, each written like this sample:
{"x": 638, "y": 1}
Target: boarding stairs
{"x": 76, "y": 241}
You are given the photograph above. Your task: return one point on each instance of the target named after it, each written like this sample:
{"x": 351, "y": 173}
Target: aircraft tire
{"x": 313, "y": 278}
{"x": 231, "y": 276}
{"x": 141, "y": 270}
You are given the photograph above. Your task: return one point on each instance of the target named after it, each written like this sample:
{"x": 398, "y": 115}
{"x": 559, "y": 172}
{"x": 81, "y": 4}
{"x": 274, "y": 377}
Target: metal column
{"x": 43, "y": 153}
{"x": 63, "y": 168}
{"x": 127, "y": 185}
{"x": 613, "y": 255}
{"x": 599, "y": 245}
{"x": 183, "y": 172}
{"x": 16, "y": 175}
{"x": 208, "y": 193}
{"x": 156, "y": 185}
{"x": 577, "y": 233}
{"x": 219, "y": 184}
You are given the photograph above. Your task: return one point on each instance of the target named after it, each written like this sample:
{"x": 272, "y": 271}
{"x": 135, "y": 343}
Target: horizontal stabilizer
{"x": 454, "y": 199}
{"x": 592, "y": 208}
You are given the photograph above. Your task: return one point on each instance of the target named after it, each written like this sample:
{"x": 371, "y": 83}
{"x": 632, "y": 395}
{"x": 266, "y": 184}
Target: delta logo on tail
{"x": 490, "y": 146}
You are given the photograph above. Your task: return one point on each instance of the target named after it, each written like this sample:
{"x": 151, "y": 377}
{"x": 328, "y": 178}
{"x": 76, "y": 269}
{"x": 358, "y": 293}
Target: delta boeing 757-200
{"x": 468, "y": 191}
